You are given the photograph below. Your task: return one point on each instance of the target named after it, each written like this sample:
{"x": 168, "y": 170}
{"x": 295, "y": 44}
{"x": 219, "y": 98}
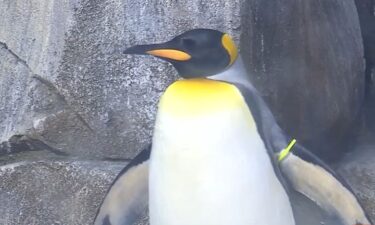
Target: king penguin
{"x": 214, "y": 158}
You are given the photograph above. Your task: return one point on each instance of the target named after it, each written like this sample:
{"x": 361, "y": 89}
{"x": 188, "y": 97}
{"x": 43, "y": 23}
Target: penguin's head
{"x": 195, "y": 53}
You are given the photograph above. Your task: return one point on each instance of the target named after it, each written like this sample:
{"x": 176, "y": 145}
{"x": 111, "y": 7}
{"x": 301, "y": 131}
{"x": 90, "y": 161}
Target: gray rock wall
{"x": 70, "y": 101}
{"x": 306, "y": 57}
{"x": 87, "y": 98}
{"x": 42, "y": 189}
{"x": 358, "y": 168}
{"x": 32, "y": 38}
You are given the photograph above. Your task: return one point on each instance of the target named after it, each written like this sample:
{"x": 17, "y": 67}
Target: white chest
{"x": 213, "y": 169}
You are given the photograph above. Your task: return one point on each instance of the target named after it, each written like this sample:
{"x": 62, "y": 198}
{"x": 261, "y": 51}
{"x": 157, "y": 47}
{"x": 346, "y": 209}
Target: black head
{"x": 195, "y": 53}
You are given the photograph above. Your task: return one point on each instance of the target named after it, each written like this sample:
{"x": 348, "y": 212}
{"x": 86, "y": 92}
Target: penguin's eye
{"x": 188, "y": 43}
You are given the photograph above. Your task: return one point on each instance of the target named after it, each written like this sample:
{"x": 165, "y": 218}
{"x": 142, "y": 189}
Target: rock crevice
{"x": 5, "y": 46}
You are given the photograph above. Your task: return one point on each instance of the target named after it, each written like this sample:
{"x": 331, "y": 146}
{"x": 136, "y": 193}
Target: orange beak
{"x": 164, "y": 50}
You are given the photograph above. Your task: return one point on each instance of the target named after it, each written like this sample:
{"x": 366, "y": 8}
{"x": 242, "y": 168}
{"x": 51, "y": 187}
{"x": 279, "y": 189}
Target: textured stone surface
{"x": 306, "y": 59}
{"x": 44, "y": 189}
{"x": 86, "y": 89}
{"x": 358, "y": 166}
{"x": 14, "y": 73}
{"x": 32, "y": 37}
{"x": 359, "y": 169}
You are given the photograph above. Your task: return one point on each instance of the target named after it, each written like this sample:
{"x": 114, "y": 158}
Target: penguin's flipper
{"x": 313, "y": 178}
{"x": 305, "y": 172}
{"x": 307, "y": 212}
{"x": 127, "y": 198}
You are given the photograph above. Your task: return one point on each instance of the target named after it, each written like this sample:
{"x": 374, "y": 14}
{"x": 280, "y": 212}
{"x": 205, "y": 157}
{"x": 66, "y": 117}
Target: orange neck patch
{"x": 230, "y": 46}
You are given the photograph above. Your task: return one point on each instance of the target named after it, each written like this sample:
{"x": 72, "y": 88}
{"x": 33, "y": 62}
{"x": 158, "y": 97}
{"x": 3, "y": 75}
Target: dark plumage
{"x": 365, "y": 10}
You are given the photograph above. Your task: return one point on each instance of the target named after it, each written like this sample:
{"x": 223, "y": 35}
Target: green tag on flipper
{"x": 283, "y": 153}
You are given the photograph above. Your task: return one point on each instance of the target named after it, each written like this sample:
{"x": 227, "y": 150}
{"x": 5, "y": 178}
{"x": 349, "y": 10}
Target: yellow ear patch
{"x": 230, "y": 46}
{"x": 196, "y": 96}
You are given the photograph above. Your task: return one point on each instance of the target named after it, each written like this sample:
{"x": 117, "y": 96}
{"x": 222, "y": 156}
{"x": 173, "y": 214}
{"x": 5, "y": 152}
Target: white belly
{"x": 213, "y": 170}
